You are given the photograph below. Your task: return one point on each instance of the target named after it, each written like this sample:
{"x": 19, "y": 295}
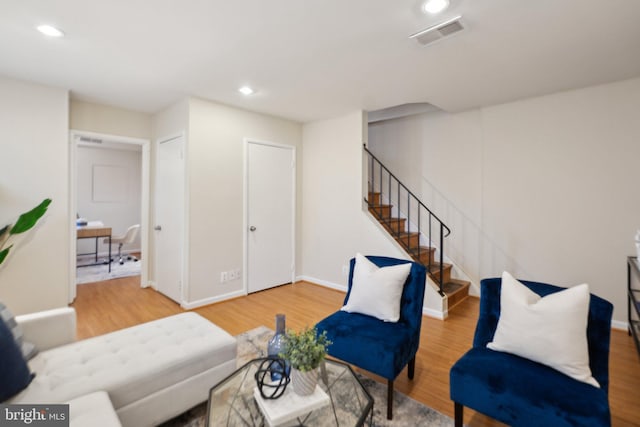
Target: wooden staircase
{"x": 456, "y": 290}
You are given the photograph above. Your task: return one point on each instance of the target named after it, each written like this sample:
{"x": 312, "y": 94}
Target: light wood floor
{"x": 108, "y": 306}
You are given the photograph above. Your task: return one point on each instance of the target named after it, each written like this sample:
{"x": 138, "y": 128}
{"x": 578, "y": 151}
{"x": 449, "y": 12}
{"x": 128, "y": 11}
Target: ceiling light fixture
{"x": 50, "y": 31}
{"x": 435, "y": 6}
{"x": 246, "y": 90}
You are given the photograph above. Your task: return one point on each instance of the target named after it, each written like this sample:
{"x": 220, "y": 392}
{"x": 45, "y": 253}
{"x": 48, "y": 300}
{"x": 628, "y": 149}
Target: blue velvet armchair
{"x": 520, "y": 392}
{"x": 383, "y": 348}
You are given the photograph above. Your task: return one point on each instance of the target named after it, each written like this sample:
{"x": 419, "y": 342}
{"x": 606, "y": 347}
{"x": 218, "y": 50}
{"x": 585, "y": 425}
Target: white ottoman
{"x": 151, "y": 371}
{"x": 92, "y": 410}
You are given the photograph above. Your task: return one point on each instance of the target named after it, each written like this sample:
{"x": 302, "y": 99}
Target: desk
{"x": 94, "y": 230}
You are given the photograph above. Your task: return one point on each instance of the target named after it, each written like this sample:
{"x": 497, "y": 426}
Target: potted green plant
{"x": 304, "y": 351}
{"x": 25, "y": 222}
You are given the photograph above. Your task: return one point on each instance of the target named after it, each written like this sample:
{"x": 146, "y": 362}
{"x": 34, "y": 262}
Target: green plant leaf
{"x": 28, "y": 219}
{"x": 305, "y": 349}
{"x": 4, "y": 253}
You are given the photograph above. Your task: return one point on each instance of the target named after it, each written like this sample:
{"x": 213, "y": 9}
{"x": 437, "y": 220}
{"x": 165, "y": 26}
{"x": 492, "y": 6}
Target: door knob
{"x": 157, "y": 228}
{"x": 252, "y": 228}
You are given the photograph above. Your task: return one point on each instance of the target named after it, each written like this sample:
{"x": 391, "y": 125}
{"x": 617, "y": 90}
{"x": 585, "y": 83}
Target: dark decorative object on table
{"x": 277, "y": 387}
{"x": 276, "y": 346}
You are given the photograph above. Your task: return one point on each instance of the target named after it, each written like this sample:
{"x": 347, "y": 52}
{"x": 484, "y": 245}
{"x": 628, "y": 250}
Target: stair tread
{"x": 423, "y": 249}
{"x": 454, "y": 286}
{"x": 393, "y": 219}
{"x": 436, "y": 265}
{"x": 380, "y": 211}
{"x": 405, "y": 234}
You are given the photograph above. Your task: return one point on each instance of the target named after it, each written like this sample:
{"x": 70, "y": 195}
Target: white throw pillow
{"x": 377, "y": 291}
{"x": 551, "y": 330}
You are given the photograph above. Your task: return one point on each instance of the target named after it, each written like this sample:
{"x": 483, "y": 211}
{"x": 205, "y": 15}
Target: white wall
{"x": 109, "y": 120}
{"x": 34, "y": 165}
{"x": 334, "y": 224}
{"x": 118, "y": 212}
{"x": 543, "y": 187}
{"x": 215, "y": 179}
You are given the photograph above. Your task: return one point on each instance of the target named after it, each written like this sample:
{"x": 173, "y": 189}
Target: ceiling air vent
{"x": 438, "y": 31}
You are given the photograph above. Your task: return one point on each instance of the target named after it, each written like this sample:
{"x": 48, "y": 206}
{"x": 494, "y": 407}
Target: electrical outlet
{"x": 224, "y": 277}
{"x": 232, "y": 275}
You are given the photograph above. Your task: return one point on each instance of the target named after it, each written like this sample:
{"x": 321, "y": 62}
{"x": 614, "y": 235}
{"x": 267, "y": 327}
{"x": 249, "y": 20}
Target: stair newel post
{"x": 408, "y": 221}
{"x": 398, "y": 203}
{"x": 430, "y": 240}
{"x": 371, "y": 175}
{"x": 419, "y": 231}
{"x": 389, "y": 194}
{"x": 380, "y": 204}
{"x": 441, "y": 254}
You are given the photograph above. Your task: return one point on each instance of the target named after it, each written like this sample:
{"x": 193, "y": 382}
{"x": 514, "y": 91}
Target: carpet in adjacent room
{"x": 100, "y": 272}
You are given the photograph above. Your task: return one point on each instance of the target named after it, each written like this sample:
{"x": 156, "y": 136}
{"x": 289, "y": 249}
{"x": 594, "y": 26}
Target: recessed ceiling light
{"x": 435, "y": 6}
{"x": 246, "y": 90}
{"x": 50, "y": 31}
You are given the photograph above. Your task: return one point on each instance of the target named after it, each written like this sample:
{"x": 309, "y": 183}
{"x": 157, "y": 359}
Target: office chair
{"x": 124, "y": 239}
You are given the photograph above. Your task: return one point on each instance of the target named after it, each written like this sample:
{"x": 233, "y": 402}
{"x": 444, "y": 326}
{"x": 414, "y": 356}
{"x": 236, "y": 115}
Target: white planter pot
{"x": 304, "y": 383}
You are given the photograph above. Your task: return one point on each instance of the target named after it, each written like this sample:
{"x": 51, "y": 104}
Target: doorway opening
{"x": 109, "y": 194}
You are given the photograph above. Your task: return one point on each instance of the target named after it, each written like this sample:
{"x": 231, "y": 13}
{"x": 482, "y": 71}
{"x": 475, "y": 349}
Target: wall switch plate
{"x": 224, "y": 276}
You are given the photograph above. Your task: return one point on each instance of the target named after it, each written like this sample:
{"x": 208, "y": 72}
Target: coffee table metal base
{"x": 232, "y": 402}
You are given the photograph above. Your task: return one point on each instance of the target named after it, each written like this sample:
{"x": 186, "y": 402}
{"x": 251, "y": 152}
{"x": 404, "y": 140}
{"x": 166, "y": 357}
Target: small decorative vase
{"x": 304, "y": 383}
{"x": 276, "y": 345}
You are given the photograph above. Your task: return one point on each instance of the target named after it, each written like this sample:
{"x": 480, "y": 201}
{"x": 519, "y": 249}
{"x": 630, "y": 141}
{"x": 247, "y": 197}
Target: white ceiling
{"x": 314, "y": 59}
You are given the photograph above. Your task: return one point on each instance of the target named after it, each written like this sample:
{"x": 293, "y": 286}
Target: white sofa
{"x": 147, "y": 374}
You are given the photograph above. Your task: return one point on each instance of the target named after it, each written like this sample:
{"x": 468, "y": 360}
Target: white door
{"x": 270, "y": 215}
{"x": 169, "y": 228}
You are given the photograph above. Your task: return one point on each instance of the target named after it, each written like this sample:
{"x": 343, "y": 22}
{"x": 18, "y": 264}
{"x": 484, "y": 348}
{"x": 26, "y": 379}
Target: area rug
{"x": 406, "y": 411}
{"x": 98, "y": 273}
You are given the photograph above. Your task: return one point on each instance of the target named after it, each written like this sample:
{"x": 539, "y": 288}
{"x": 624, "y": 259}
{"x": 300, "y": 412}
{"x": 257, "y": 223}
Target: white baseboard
{"x": 617, "y": 324}
{"x": 207, "y": 301}
{"x": 321, "y": 282}
{"x": 429, "y": 312}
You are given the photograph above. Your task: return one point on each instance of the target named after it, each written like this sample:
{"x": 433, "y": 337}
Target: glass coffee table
{"x": 232, "y": 402}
